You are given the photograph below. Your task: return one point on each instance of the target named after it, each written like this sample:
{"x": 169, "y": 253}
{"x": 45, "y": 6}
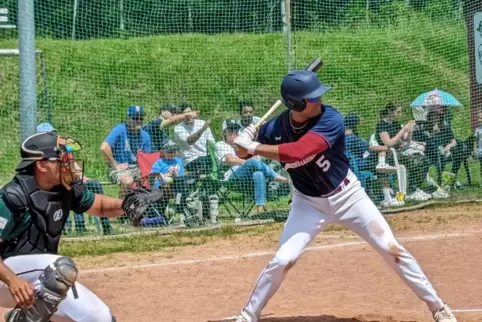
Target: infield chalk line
{"x": 260, "y": 254}
{"x": 467, "y": 310}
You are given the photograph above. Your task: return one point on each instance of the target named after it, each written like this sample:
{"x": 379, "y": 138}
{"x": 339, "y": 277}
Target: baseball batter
{"x": 308, "y": 139}
{"x": 40, "y": 284}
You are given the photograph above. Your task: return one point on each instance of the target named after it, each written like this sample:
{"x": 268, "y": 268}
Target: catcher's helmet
{"x": 299, "y": 85}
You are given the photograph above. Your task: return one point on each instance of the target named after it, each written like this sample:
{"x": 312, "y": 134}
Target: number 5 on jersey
{"x": 323, "y": 164}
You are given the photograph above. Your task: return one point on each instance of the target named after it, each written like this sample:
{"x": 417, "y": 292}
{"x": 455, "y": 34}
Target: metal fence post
{"x": 27, "y": 68}
{"x": 286, "y": 16}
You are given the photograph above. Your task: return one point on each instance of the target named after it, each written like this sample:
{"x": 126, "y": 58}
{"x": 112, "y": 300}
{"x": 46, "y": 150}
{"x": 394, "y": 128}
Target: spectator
{"x": 390, "y": 132}
{"x": 477, "y": 154}
{"x": 92, "y": 185}
{"x": 46, "y": 127}
{"x": 158, "y": 128}
{"x": 120, "y": 149}
{"x": 251, "y": 169}
{"x": 246, "y": 113}
{"x": 359, "y": 149}
{"x": 168, "y": 166}
{"x": 192, "y": 137}
{"x": 441, "y": 141}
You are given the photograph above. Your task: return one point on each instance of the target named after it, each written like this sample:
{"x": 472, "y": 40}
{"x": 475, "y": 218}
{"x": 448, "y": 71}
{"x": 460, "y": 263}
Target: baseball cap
{"x": 45, "y": 127}
{"x": 352, "y": 120}
{"x": 170, "y": 146}
{"x": 135, "y": 111}
{"x": 232, "y": 126}
{"x": 44, "y": 146}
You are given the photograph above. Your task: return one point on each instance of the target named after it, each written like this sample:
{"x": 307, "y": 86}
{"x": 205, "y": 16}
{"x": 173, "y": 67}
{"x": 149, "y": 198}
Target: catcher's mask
{"x": 71, "y": 168}
{"x": 49, "y": 146}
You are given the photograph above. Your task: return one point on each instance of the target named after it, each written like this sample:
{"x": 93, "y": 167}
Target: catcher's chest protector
{"x": 49, "y": 212}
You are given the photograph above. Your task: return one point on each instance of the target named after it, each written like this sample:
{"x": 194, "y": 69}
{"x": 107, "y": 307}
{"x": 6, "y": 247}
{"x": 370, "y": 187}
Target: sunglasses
{"x": 68, "y": 144}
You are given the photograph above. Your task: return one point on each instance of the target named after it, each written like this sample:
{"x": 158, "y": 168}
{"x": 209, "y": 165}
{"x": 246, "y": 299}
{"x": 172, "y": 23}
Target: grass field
{"x": 92, "y": 82}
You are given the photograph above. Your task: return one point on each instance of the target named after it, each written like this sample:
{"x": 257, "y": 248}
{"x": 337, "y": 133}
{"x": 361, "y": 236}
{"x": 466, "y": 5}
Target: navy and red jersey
{"x": 321, "y": 173}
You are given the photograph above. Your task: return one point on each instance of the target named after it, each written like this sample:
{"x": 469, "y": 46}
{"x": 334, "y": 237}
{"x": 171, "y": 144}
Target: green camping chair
{"x": 229, "y": 190}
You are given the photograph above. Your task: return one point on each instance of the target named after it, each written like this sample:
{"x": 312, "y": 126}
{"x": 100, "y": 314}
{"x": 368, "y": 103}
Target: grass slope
{"x": 92, "y": 82}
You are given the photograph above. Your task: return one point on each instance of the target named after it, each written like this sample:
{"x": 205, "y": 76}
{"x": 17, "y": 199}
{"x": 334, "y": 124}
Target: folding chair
{"x": 401, "y": 170}
{"x": 178, "y": 190}
{"x": 145, "y": 161}
{"x": 225, "y": 189}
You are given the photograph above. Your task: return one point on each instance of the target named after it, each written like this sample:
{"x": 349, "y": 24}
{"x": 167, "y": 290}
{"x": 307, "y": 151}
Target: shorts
{"x": 132, "y": 171}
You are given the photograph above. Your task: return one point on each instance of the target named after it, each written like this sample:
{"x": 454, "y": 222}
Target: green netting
{"x": 96, "y": 58}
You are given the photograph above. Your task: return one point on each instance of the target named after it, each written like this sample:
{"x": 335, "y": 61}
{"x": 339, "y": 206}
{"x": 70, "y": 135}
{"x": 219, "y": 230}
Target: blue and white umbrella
{"x": 435, "y": 97}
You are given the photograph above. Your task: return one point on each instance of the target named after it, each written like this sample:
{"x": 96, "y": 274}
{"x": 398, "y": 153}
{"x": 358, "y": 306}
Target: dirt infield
{"x": 338, "y": 279}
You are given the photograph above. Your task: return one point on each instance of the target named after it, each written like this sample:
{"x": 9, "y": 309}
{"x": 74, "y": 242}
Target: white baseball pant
{"x": 353, "y": 209}
{"x": 86, "y": 308}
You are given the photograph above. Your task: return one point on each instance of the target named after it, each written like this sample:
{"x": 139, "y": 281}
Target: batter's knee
{"x": 286, "y": 260}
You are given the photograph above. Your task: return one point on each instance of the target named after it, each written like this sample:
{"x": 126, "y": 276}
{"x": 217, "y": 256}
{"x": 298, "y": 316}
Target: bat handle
{"x": 268, "y": 114}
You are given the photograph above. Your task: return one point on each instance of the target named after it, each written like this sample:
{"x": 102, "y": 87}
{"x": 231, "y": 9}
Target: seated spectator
{"x": 239, "y": 169}
{"x": 364, "y": 154}
{"x": 168, "y": 173}
{"x": 168, "y": 166}
{"x": 477, "y": 154}
{"x": 192, "y": 136}
{"x": 120, "y": 149}
{"x": 441, "y": 142}
{"x": 390, "y": 133}
{"x": 92, "y": 185}
{"x": 246, "y": 113}
{"x": 158, "y": 128}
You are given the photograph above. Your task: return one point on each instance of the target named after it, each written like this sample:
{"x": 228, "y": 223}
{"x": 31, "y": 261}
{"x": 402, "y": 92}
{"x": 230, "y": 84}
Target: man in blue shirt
{"x": 120, "y": 148}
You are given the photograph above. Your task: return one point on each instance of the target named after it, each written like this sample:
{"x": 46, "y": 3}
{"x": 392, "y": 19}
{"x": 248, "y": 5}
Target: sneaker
{"x": 427, "y": 196}
{"x": 444, "y": 315}
{"x": 392, "y": 203}
{"x": 440, "y": 194}
{"x": 242, "y": 318}
{"x": 419, "y": 195}
{"x": 385, "y": 168}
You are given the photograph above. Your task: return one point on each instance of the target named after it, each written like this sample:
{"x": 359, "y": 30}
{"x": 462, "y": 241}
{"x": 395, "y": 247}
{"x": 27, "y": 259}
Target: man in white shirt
{"x": 252, "y": 169}
{"x": 192, "y": 137}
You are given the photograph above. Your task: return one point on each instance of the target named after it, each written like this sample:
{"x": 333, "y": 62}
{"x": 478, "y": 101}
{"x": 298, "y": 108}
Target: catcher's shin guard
{"x": 50, "y": 289}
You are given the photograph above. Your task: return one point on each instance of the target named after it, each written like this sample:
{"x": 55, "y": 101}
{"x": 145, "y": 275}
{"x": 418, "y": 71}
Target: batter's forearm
{"x": 268, "y": 151}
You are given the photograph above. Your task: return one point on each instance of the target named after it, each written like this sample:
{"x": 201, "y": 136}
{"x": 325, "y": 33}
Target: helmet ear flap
{"x": 294, "y": 103}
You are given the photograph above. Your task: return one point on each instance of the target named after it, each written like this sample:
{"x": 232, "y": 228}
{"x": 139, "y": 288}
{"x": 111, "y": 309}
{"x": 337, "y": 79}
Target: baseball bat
{"x": 313, "y": 66}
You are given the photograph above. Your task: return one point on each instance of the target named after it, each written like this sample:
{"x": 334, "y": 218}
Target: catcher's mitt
{"x": 136, "y": 202}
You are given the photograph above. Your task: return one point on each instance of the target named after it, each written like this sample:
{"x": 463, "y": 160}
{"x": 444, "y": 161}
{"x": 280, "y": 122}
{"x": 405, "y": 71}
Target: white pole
{"x": 367, "y": 10}
{"x": 27, "y": 68}
{"x": 74, "y": 19}
{"x": 121, "y": 9}
{"x": 287, "y": 25}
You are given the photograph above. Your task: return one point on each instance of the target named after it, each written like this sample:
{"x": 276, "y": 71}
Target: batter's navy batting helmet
{"x": 300, "y": 85}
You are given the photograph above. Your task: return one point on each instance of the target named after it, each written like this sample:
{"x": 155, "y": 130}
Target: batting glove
{"x": 244, "y": 140}
{"x": 250, "y": 130}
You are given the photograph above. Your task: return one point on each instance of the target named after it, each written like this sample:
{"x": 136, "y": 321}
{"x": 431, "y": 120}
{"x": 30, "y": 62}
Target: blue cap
{"x": 135, "y": 110}
{"x": 45, "y": 127}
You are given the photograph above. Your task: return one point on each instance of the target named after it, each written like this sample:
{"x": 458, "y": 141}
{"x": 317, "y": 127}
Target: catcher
{"x": 38, "y": 282}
